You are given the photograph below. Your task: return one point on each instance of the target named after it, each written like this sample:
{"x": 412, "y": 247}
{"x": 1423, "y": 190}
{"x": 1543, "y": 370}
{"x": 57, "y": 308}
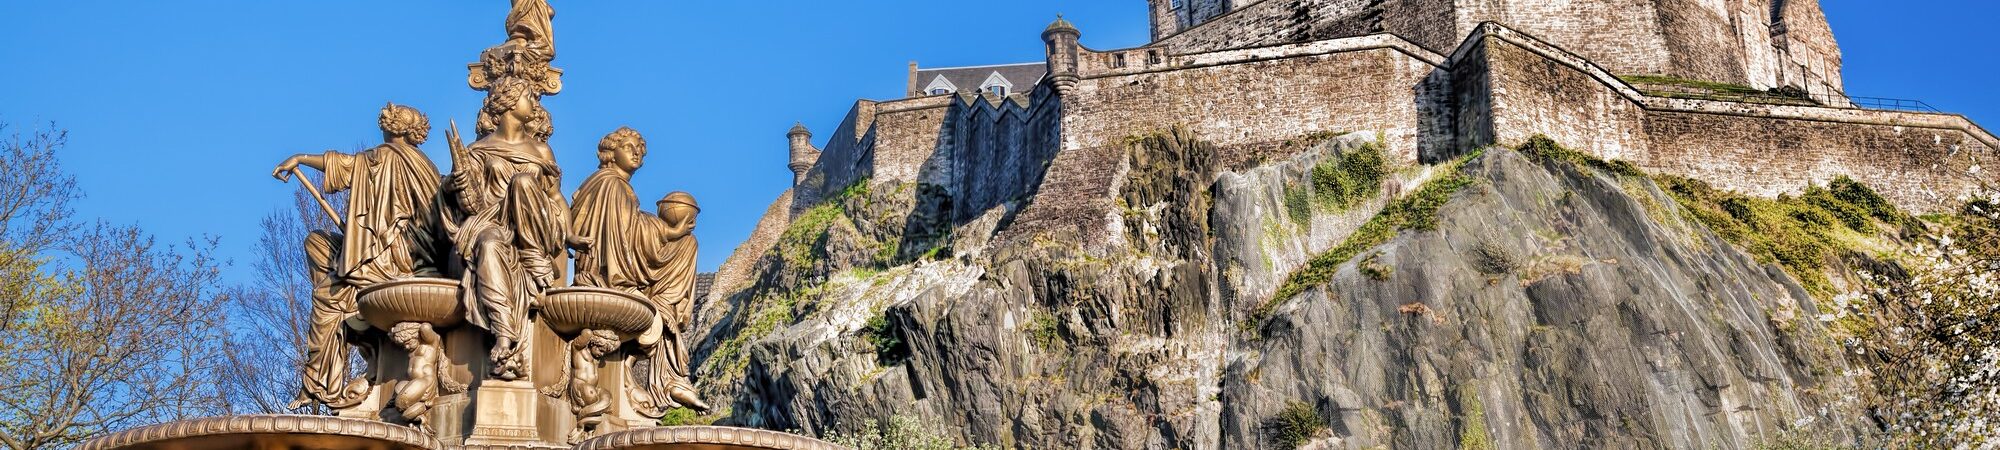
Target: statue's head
{"x": 404, "y": 122}
{"x": 408, "y": 334}
{"x": 624, "y": 149}
{"x": 520, "y": 100}
{"x": 601, "y": 342}
{"x": 678, "y": 206}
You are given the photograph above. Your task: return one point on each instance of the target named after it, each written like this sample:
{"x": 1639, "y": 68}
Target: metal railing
{"x": 1795, "y": 98}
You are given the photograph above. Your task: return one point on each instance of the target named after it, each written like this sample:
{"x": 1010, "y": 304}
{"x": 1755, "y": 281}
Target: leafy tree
{"x": 1936, "y": 330}
{"x": 269, "y": 315}
{"x": 101, "y": 328}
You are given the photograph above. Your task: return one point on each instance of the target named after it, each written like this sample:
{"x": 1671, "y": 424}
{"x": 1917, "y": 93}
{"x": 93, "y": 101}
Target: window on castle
{"x": 997, "y": 90}
{"x": 1118, "y": 60}
{"x": 1152, "y": 57}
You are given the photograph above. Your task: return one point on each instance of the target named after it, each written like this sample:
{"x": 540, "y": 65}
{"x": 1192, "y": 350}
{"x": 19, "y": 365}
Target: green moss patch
{"x": 1800, "y": 233}
{"x": 1346, "y": 180}
{"x": 1417, "y": 211}
{"x": 1541, "y": 148}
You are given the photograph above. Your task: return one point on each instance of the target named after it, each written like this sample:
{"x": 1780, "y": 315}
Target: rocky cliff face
{"x": 1319, "y": 300}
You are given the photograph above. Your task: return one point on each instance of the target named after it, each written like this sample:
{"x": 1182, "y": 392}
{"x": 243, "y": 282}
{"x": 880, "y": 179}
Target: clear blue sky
{"x": 178, "y": 109}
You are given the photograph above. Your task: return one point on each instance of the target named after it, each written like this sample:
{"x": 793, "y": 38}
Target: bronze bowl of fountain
{"x": 267, "y": 432}
{"x": 704, "y": 438}
{"x": 430, "y": 300}
{"x": 571, "y": 310}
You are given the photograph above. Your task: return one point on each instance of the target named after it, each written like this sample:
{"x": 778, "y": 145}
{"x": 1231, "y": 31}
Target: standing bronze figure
{"x": 645, "y": 255}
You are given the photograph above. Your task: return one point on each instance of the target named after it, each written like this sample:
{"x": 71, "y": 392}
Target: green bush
{"x": 1295, "y": 425}
{"x": 1492, "y": 259}
{"x": 683, "y": 417}
{"x": 888, "y": 342}
{"x": 1298, "y": 205}
{"x": 1372, "y": 267}
{"x": 900, "y": 432}
{"x": 1045, "y": 331}
{"x": 1347, "y": 180}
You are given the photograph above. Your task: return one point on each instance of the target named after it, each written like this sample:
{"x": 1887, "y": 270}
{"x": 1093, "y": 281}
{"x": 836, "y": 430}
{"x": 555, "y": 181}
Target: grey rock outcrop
{"x": 1553, "y": 307}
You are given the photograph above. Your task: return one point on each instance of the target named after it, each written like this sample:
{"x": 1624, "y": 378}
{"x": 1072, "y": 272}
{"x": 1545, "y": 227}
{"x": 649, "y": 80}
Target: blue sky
{"x": 177, "y": 110}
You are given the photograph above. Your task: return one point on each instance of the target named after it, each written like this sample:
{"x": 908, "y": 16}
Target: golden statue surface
{"x": 456, "y": 287}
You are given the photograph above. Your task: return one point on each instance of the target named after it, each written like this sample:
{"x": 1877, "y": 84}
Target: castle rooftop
{"x": 1009, "y": 79}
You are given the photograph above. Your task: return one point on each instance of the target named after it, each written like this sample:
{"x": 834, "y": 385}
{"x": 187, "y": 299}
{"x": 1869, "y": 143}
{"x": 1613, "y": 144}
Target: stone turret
{"x": 803, "y": 152}
{"x": 1061, "y": 38}
{"x": 1166, "y": 21}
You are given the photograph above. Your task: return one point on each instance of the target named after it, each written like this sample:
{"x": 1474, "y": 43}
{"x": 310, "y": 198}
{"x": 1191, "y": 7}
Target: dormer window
{"x": 996, "y": 85}
{"x": 940, "y": 91}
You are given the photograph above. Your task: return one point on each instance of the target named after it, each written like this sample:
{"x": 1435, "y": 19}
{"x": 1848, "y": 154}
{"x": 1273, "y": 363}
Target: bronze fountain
{"x": 457, "y": 290}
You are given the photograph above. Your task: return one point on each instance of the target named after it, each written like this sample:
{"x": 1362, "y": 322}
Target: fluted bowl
{"x": 267, "y": 432}
{"x": 571, "y": 310}
{"x": 430, "y": 300}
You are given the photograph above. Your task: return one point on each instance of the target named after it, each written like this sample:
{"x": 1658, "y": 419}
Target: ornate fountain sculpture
{"x": 455, "y": 289}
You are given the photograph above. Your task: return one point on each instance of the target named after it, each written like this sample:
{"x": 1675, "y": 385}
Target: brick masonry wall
{"x": 1702, "y": 42}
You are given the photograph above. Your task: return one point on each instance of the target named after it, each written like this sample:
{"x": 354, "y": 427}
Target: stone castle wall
{"x": 999, "y": 149}
{"x": 1499, "y": 86}
{"x": 1241, "y": 98}
{"x": 1715, "y": 40}
{"x": 1920, "y": 161}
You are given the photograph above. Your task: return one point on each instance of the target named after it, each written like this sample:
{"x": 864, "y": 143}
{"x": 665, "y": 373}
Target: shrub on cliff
{"x": 900, "y": 432}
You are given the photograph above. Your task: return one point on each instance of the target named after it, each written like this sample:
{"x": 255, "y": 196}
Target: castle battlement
{"x": 1254, "y": 93}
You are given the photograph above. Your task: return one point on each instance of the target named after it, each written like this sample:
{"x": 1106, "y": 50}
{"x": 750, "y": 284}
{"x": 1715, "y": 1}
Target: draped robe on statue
{"x": 391, "y": 232}
{"x": 634, "y": 254}
{"x": 513, "y": 237}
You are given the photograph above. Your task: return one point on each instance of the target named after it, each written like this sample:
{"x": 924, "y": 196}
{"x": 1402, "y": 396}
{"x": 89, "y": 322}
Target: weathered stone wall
{"x": 1196, "y": 12}
{"x": 1920, "y": 161}
{"x": 1533, "y": 95}
{"x": 1717, "y": 40}
{"x": 1272, "y": 22}
{"x": 1623, "y": 35}
{"x": 999, "y": 149}
{"x": 1808, "y": 56}
{"x": 1923, "y": 169}
{"x": 904, "y": 136}
{"x": 1255, "y": 96}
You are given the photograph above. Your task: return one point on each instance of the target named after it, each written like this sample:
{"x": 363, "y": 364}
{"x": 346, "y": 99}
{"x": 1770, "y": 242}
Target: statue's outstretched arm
{"x": 284, "y": 170}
